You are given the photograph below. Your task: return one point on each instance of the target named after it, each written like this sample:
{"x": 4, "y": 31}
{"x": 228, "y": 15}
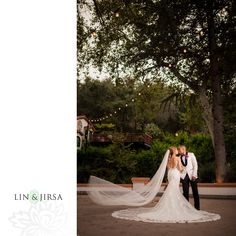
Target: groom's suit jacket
{"x": 191, "y": 168}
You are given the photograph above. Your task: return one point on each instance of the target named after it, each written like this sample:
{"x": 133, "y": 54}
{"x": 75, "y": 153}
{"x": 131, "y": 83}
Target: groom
{"x": 189, "y": 174}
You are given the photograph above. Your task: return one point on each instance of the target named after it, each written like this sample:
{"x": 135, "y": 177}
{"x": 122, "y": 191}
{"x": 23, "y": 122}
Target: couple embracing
{"x": 173, "y": 206}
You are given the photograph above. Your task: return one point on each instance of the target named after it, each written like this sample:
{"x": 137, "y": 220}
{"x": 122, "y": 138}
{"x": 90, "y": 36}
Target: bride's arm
{"x": 168, "y": 163}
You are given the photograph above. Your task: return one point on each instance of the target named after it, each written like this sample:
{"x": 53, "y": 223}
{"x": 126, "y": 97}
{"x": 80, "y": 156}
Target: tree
{"x": 94, "y": 90}
{"x": 185, "y": 41}
{"x": 131, "y": 103}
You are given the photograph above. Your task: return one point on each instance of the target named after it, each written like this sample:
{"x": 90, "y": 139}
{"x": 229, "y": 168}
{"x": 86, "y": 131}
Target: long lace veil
{"x": 106, "y": 193}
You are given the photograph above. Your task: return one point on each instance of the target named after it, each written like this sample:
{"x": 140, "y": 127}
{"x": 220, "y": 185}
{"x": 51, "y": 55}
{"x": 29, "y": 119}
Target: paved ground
{"x": 95, "y": 220}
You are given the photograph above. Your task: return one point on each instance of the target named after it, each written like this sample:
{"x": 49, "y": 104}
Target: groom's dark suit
{"x": 189, "y": 163}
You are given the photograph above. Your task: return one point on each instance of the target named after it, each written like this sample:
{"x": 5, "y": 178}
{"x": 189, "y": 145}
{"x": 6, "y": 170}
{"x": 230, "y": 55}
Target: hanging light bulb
{"x": 119, "y": 108}
{"x": 133, "y": 100}
{"x": 117, "y": 14}
{"x": 170, "y": 65}
{"x": 94, "y": 34}
{"x": 126, "y": 104}
{"x": 139, "y": 94}
{"x": 185, "y": 50}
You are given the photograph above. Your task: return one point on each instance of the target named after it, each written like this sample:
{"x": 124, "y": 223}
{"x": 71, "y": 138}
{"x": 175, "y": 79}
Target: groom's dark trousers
{"x": 185, "y": 184}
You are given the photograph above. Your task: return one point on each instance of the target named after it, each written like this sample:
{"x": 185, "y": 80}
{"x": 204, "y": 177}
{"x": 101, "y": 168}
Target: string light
{"x": 201, "y": 33}
{"x": 94, "y": 34}
{"x": 223, "y": 12}
{"x": 117, "y": 14}
{"x": 170, "y": 65}
{"x": 119, "y": 109}
{"x": 185, "y": 50}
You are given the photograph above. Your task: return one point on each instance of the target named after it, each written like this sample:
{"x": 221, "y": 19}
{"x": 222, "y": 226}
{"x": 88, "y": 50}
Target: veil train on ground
{"x": 107, "y": 193}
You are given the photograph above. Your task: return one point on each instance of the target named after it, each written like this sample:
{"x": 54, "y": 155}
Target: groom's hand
{"x": 194, "y": 178}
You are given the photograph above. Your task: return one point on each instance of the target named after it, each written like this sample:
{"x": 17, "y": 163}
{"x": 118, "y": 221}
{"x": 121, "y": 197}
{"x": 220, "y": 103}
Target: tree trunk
{"x": 220, "y": 153}
{"x": 217, "y": 108}
{"x": 207, "y": 114}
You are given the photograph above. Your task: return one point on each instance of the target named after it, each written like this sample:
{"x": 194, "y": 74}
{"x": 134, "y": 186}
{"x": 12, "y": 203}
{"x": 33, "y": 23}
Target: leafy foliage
{"x": 119, "y": 164}
{"x": 98, "y": 99}
{"x": 153, "y": 130}
{"x": 161, "y": 40}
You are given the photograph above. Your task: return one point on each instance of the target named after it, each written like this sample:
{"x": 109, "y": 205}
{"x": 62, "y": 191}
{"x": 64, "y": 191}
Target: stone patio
{"x": 96, "y": 220}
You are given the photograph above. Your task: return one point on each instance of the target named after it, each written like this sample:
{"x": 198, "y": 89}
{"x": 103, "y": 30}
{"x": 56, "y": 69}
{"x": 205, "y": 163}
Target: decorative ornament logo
{"x": 43, "y": 218}
{"x": 34, "y": 196}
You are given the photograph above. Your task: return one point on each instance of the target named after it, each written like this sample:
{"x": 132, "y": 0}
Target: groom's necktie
{"x": 184, "y": 159}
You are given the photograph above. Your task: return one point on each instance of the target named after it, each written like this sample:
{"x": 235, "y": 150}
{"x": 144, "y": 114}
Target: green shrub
{"x": 153, "y": 130}
{"x": 119, "y": 163}
{"x": 115, "y": 163}
{"x": 207, "y": 172}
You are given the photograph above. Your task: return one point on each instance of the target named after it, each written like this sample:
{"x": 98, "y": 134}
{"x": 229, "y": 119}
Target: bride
{"x": 171, "y": 208}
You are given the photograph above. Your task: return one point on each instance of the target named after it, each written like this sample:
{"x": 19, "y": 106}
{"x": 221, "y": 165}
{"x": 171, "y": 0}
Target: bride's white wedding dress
{"x": 171, "y": 208}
